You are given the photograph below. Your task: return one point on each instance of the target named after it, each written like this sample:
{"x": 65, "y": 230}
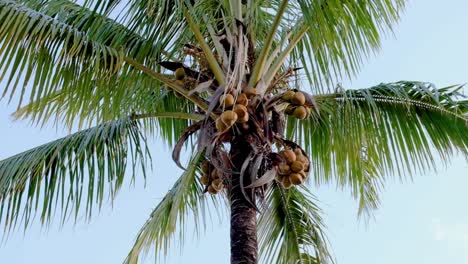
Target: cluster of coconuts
{"x": 211, "y": 177}
{"x": 234, "y": 109}
{"x": 296, "y": 107}
{"x": 294, "y": 169}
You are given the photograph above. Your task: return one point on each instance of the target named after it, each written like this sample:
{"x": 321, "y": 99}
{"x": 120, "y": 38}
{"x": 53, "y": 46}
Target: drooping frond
{"x": 394, "y": 129}
{"x": 67, "y": 72}
{"x": 184, "y": 199}
{"x": 146, "y": 102}
{"x": 291, "y": 228}
{"x": 97, "y": 26}
{"x": 62, "y": 175}
{"x": 341, "y": 34}
{"x": 49, "y": 53}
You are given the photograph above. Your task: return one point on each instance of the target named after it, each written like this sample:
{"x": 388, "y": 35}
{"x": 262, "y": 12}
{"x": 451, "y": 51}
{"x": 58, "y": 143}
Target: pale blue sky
{"x": 423, "y": 221}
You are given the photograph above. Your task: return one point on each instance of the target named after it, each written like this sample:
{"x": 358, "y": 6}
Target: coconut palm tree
{"x": 248, "y": 85}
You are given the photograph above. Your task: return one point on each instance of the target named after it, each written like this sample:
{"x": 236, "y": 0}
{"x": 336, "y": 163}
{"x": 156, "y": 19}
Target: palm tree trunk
{"x": 244, "y": 247}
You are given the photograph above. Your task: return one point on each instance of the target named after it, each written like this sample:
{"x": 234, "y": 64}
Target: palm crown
{"x": 249, "y": 81}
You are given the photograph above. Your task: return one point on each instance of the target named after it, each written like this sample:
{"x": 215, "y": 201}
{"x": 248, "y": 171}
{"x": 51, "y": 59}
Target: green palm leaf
{"x": 67, "y": 90}
{"x": 341, "y": 35}
{"x": 81, "y": 167}
{"x": 291, "y": 228}
{"x": 183, "y": 199}
{"x": 57, "y": 52}
{"x": 396, "y": 129}
{"x": 76, "y": 69}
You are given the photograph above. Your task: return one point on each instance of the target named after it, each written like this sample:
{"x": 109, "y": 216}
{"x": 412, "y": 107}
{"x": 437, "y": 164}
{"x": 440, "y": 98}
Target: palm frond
{"x": 183, "y": 199}
{"x": 341, "y": 35}
{"x": 139, "y": 101}
{"x": 291, "y": 228}
{"x": 46, "y": 58}
{"x": 62, "y": 174}
{"x": 100, "y": 28}
{"x": 49, "y": 51}
{"x": 394, "y": 129}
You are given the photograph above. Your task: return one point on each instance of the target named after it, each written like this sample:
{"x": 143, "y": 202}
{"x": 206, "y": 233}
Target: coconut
{"x": 298, "y": 99}
{"x": 303, "y": 159}
{"x": 242, "y": 114}
{"x": 296, "y": 178}
{"x": 217, "y": 184}
{"x": 303, "y": 175}
{"x": 288, "y": 155}
{"x": 250, "y": 92}
{"x": 179, "y": 73}
{"x": 300, "y": 112}
{"x": 240, "y": 110}
{"x": 243, "y": 120}
{"x": 297, "y": 166}
{"x": 308, "y": 111}
{"x": 220, "y": 125}
{"x": 290, "y": 110}
{"x": 286, "y": 182}
{"x": 205, "y": 166}
{"x": 242, "y": 99}
{"x": 212, "y": 190}
{"x": 205, "y": 180}
{"x": 214, "y": 174}
{"x": 288, "y": 95}
{"x": 227, "y": 100}
{"x": 284, "y": 169}
{"x": 229, "y": 118}
{"x": 298, "y": 152}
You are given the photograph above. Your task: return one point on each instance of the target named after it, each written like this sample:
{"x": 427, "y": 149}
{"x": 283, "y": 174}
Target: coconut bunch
{"x": 297, "y": 104}
{"x": 182, "y": 79}
{"x": 294, "y": 168}
{"x": 233, "y": 107}
{"x": 211, "y": 178}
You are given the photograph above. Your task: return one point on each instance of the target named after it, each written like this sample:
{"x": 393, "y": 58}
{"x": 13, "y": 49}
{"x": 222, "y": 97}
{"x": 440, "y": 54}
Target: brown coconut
{"x": 284, "y": 169}
{"x": 298, "y": 99}
{"x": 214, "y": 174}
{"x": 205, "y": 166}
{"x": 229, "y": 117}
{"x": 303, "y": 174}
{"x": 217, "y": 184}
{"x": 242, "y": 99}
{"x": 250, "y": 92}
{"x": 205, "y": 180}
{"x": 298, "y": 152}
{"x": 296, "y": 178}
{"x": 303, "y": 159}
{"x": 212, "y": 190}
{"x": 227, "y": 100}
{"x": 300, "y": 112}
{"x": 242, "y": 114}
{"x": 179, "y": 73}
{"x": 297, "y": 166}
{"x": 288, "y": 95}
{"x": 288, "y": 155}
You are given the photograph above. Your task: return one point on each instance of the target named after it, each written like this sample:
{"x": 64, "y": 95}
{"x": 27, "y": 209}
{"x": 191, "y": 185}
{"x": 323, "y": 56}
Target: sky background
{"x": 420, "y": 221}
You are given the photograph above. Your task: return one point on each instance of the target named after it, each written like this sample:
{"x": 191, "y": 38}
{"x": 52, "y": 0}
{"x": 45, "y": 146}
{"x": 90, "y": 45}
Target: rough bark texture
{"x": 244, "y": 247}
